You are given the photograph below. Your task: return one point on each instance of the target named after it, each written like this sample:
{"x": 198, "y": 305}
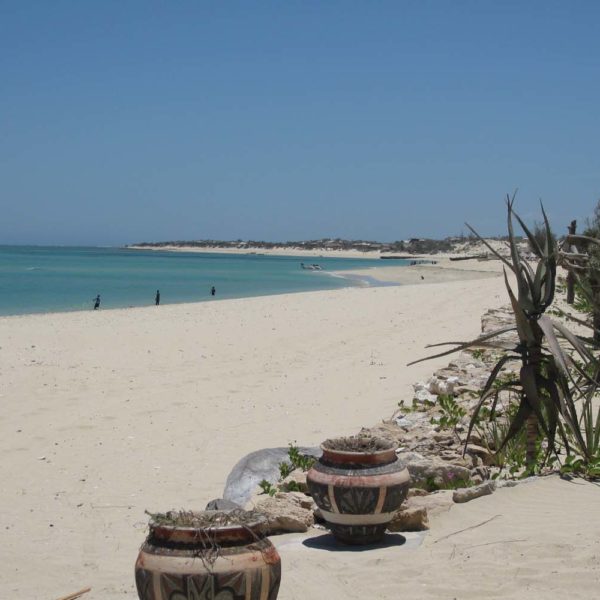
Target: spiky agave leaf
{"x": 523, "y": 283}
{"x": 531, "y": 402}
{"x": 559, "y": 356}
{"x": 591, "y": 428}
{"x": 487, "y": 392}
{"x": 535, "y": 291}
{"x": 540, "y": 288}
{"x": 480, "y": 341}
{"x": 537, "y": 250}
{"x": 581, "y": 322}
{"x": 551, "y": 404}
{"x": 475, "y": 344}
{"x": 566, "y": 402}
{"x": 524, "y": 329}
{"x": 499, "y": 256}
{"x": 550, "y": 262}
{"x": 516, "y": 424}
{"x": 574, "y": 340}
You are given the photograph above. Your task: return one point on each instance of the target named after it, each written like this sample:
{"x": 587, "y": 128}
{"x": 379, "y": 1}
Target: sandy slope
{"x": 108, "y": 413}
{"x": 538, "y": 540}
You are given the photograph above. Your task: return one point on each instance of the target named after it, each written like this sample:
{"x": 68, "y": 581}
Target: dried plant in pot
{"x": 359, "y": 484}
{"x": 208, "y": 555}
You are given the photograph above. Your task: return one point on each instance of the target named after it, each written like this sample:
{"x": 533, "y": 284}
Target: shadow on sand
{"x": 328, "y": 542}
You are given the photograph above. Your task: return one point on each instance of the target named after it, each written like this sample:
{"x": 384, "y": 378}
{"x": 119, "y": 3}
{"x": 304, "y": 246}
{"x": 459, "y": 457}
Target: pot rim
{"x": 368, "y": 458}
{"x": 256, "y": 527}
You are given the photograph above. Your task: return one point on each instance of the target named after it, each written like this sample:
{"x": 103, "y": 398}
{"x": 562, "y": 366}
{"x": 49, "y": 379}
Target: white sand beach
{"x": 109, "y": 413}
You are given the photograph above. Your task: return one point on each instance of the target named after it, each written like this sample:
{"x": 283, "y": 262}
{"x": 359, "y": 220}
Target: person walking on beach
{"x": 157, "y": 298}
{"x": 97, "y": 302}
{"x": 213, "y": 291}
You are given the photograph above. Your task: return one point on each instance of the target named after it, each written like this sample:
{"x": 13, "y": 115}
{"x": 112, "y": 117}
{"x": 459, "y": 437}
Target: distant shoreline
{"x": 289, "y": 251}
{"x": 258, "y": 251}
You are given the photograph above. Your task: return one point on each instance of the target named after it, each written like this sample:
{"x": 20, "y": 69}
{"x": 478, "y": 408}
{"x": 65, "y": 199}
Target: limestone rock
{"x": 435, "y": 503}
{"x": 514, "y": 482}
{"x": 298, "y": 498}
{"x": 415, "y": 511}
{"x": 476, "y": 461}
{"x": 495, "y": 318}
{"x": 468, "y": 374}
{"x": 410, "y": 420}
{"x": 412, "y": 518}
{"x": 442, "y": 385}
{"x": 256, "y": 466}
{"x": 422, "y": 394}
{"x": 432, "y": 470}
{"x": 453, "y": 457}
{"x": 483, "y": 472}
{"x": 285, "y": 515}
{"x": 295, "y": 482}
{"x": 221, "y": 504}
{"x": 467, "y": 494}
{"x": 445, "y": 439}
{"x": 484, "y": 454}
{"x": 475, "y": 437}
{"x": 466, "y": 362}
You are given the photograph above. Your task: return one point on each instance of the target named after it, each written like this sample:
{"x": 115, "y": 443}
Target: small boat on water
{"x": 313, "y": 267}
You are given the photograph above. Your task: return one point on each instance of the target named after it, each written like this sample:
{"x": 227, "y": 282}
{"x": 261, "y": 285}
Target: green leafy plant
{"x": 577, "y": 465}
{"x": 267, "y": 487}
{"x": 299, "y": 460}
{"x": 285, "y": 469}
{"x": 452, "y": 413}
{"x": 492, "y": 430}
{"x": 293, "y": 486}
{"x": 583, "y": 299}
{"x": 478, "y": 353}
{"x": 296, "y": 460}
{"x": 406, "y": 409}
{"x": 504, "y": 381}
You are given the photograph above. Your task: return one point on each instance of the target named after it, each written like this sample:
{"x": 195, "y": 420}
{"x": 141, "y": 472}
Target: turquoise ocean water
{"x": 35, "y": 279}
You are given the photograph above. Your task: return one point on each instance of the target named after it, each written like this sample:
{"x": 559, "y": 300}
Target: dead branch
{"x": 445, "y": 537}
{"x": 76, "y": 594}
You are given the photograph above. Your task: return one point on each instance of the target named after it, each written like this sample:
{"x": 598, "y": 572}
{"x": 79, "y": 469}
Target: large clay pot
{"x": 358, "y": 492}
{"x": 217, "y": 563}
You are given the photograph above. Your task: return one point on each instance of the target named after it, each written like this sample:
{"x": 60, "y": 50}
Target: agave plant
{"x": 549, "y": 375}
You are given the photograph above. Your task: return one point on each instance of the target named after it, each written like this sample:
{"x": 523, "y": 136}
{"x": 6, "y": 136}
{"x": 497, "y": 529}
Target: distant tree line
{"x": 412, "y": 246}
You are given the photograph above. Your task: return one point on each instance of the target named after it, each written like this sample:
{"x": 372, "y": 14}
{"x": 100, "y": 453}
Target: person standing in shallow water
{"x": 157, "y": 298}
{"x": 213, "y": 291}
{"x": 97, "y": 302}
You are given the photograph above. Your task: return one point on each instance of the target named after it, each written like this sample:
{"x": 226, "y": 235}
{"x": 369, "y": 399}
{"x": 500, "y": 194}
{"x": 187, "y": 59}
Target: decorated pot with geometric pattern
{"x": 233, "y": 562}
{"x": 359, "y": 484}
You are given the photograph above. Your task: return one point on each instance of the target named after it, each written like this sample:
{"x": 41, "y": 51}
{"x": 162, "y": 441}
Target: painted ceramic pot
{"x": 232, "y": 562}
{"x": 358, "y": 491}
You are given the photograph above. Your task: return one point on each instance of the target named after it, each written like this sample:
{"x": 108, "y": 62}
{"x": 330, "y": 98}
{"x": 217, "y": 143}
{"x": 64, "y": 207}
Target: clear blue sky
{"x": 123, "y": 121}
